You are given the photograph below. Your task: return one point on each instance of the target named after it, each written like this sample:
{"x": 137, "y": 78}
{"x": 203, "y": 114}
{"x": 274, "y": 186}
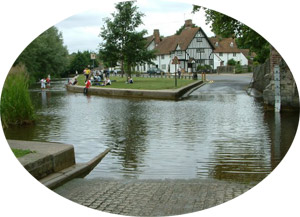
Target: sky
{"x": 81, "y": 31}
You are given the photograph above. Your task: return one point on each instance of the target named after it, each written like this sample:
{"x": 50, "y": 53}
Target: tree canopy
{"x": 80, "y": 60}
{"x": 225, "y": 26}
{"x": 121, "y": 42}
{"x": 45, "y": 55}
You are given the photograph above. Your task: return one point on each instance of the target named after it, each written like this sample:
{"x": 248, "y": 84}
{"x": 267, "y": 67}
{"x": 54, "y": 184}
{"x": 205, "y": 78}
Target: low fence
{"x": 232, "y": 69}
{"x": 188, "y": 76}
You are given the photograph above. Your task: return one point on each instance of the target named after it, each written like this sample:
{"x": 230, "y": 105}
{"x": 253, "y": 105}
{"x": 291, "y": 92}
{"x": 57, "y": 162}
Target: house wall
{"x": 204, "y": 56}
{"x": 151, "y": 46}
{"x": 227, "y": 56}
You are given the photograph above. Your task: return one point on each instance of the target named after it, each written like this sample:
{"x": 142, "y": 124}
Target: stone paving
{"x": 151, "y": 197}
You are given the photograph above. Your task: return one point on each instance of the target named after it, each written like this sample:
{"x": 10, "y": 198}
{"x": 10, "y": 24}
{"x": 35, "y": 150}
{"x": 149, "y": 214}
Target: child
{"x": 87, "y": 86}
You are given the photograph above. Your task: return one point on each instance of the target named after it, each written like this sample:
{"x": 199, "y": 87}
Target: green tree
{"x": 81, "y": 60}
{"x": 45, "y": 55}
{"x": 225, "y": 26}
{"x": 121, "y": 40}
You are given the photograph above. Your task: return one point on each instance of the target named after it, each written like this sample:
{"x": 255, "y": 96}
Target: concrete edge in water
{"x": 76, "y": 171}
{"x": 148, "y": 94}
{"x": 53, "y": 164}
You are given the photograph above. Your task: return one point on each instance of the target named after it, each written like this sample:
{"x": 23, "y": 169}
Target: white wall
{"x": 227, "y": 56}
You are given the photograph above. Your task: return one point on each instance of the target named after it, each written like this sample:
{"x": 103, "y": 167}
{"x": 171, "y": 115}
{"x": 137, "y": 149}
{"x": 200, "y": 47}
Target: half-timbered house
{"x": 191, "y": 45}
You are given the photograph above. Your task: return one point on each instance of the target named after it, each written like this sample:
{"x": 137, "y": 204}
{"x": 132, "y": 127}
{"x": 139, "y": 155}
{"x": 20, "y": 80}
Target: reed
{"x": 16, "y": 107}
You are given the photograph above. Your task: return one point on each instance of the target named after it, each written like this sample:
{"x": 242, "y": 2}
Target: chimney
{"x": 188, "y": 24}
{"x": 156, "y": 36}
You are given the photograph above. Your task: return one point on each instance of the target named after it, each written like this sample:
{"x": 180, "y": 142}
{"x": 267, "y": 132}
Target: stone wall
{"x": 261, "y": 76}
{"x": 264, "y": 80}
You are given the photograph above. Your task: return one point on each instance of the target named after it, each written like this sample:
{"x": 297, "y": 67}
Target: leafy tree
{"x": 81, "y": 60}
{"x": 121, "y": 40}
{"x": 45, "y": 55}
{"x": 225, "y": 26}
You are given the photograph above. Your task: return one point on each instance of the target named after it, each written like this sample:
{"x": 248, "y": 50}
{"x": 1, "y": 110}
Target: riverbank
{"x": 172, "y": 94}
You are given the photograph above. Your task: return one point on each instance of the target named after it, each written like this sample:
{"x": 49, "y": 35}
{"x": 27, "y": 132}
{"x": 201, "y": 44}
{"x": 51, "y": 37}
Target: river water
{"x": 218, "y": 132}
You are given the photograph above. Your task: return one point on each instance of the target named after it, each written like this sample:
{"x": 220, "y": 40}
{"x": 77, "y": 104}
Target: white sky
{"x": 80, "y": 32}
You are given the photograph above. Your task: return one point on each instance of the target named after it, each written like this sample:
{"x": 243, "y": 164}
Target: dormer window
{"x": 231, "y": 44}
{"x": 217, "y": 44}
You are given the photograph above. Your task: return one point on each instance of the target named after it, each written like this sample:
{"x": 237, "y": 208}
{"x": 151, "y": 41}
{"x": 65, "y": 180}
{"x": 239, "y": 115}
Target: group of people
{"x": 45, "y": 82}
{"x": 97, "y": 77}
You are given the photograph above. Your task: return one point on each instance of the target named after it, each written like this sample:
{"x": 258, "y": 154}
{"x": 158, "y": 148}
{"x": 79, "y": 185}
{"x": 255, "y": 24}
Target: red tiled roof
{"x": 169, "y": 44}
{"x": 224, "y": 45}
{"x": 247, "y": 53}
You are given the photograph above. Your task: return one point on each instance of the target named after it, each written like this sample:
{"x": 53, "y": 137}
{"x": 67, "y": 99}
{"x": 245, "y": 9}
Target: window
{"x": 234, "y": 54}
{"x": 211, "y": 62}
{"x": 179, "y": 52}
{"x": 200, "y": 50}
{"x": 199, "y": 39}
{"x": 163, "y": 66}
{"x": 162, "y": 57}
{"x": 220, "y": 54}
{"x": 202, "y": 62}
{"x": 217, "y": 44}
{"x": 231, "y": 44}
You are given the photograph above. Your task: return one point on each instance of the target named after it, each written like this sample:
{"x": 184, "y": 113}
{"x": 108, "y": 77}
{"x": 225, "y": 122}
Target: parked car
{"x": 155, "y": 71}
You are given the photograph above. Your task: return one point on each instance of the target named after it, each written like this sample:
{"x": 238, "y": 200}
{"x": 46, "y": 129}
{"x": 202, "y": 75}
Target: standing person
{"x": 86, "y": 72}
{"x": 179, "y": 72}
{"x": 43, "y": 83}
{"x": 87, "y": 86}
{"x": 48, "y": 81}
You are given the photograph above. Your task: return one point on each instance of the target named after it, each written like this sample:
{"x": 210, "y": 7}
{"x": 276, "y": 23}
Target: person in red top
{"x": 48, "y": 81}
{"x": 87, "y": 86}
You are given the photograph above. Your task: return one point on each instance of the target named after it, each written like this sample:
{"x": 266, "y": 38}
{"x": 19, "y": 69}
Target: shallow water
{"x": 217, "y": 132}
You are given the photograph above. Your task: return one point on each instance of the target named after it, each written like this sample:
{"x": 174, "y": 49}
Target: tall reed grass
{"x": 16, "y": 107}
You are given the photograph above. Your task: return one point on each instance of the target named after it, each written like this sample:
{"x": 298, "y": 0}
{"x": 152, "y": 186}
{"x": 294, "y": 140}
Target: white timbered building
{"x": 190, "y": 44}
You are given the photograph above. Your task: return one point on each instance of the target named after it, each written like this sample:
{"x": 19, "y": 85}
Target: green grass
{"x": 20, "y": 153}
{"x": 141, "y": 83}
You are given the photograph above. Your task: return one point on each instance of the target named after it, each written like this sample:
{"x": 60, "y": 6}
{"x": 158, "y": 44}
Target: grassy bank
{"x": 16, "y": 107}
{"x": 141, "y": 83}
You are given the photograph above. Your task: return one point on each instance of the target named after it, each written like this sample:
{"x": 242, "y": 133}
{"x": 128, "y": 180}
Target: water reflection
{"x": 127, "y": 127}
{"x": 218, "y": 132}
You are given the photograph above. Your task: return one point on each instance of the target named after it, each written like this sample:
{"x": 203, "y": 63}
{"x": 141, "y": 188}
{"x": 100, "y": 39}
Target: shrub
{"x": 238, "y": 68}
{"x": 231, "y": 62}
{"x": 16, "y": 107}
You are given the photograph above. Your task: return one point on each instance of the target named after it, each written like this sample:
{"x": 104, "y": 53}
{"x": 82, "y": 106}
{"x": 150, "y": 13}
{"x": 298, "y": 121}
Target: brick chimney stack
{"x": 156, "y": 36}
{"x": 188, "y": 24}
